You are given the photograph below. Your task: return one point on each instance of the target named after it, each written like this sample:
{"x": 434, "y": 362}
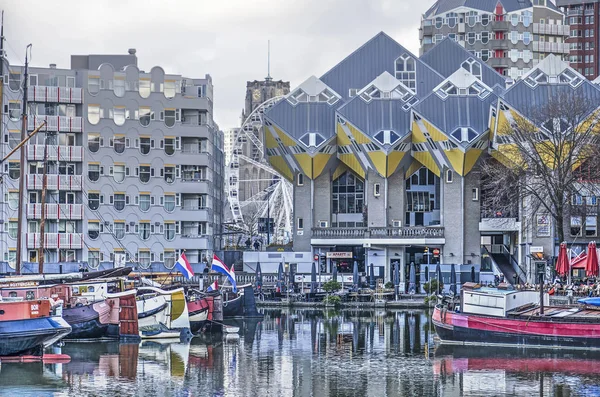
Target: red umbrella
{"x": 591, "y": 264}
{"x": 562, "y": 263}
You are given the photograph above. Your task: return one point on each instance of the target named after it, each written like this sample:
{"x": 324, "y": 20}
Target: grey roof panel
{"x": 377, "y": 115}
{"x": 444, "y": 6}
{"x": 304, "y": 117}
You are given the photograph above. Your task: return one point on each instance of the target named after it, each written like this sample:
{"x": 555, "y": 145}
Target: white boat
{"x": 162, "y": 314}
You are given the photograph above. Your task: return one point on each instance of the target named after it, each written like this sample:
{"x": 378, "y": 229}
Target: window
{"x": 144, "y": 88}
{"x": 169, "y": 117}
{"x": 169, "y": 259}
{"x": 119, "y": 172}
{"x": 348, "y": 194}
{"x": 386, "y": 137}
{"x": 93, "y": 85}
{"x": 119, "y": 201}
{"x": 144, "y": 202}
{"x": 94, "y": 201}
{"x": 300, "y": 181}
{"x": 14, "y": 111}
{"x": 475, "y": 194}
{"x": 169, "y": 202}
{"x": 169, "y": 146}
{"x": 145, "y": 145}
{"x": 144, "y": 258}
{"x": 13, "y": 170}
{"x": 312, "y": 139}
{"x": 93, "y": 230}
{"x": 93, "y": 143}
{"x": 144, "y": 173}
{"x": 119, "y": 87}
{"x": 300, "y": 223}
{"x": 591, "y": 229}
{"x": 144, "y": 230}
{"x": 66, "y": 226}
{"x": 13, "y": 226}
{"x": 169, "y": 174}
{"x": 376, "y": 189}
{"x": 575, "y": 226}
{"x": 93, "y": 260}
{"x": 14, "y": 81}
{"x": 145, "y": 115}
{"x": 94, "y": 172}
{"x": 169, "y": 231}
{"x": 94, "y": 114}
{"x": 119, "y": 116}
{"x": 119, "y": 230}
{"x": 473, "y": 67}
{"x": 449, "y": 176}
{"x": 118, "y": 143}
{"x": 65, "y": 168}
{"x": 169, "y": 88}
{"x": 406, "y": 71}
{"x": 419, "y": 202}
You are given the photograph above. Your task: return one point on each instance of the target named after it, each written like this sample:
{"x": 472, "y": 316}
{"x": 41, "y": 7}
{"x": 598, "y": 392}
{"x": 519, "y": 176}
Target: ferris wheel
{"x": 256, "y": 191}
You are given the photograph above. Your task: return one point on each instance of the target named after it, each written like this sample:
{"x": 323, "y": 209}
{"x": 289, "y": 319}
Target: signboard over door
{"x": 339, "y": 255}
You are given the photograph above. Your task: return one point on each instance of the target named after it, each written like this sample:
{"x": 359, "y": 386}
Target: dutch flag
{"x": 184, "y": 266}
{"x": 213, "y": 287}
{"x": 219, "y": 266}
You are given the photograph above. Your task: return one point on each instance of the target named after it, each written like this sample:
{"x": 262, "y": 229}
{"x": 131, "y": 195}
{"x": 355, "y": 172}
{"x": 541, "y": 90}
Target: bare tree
{"x": 544, "y": 160}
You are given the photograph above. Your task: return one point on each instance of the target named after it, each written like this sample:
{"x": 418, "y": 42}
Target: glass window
{"x": 145, "y": 145}
{"x": 576, "y": 226}
{"x": 93, "y": 143}
{"x": 406, "y": 71}
{"x": 119, "y": 201}
{"x": 119, "y": 173}
{"x": 144, "y": 88}
{"x": 170, "y": 174}
{"x": 94, "y": 201}
{"x": 348, "y": 194}
{"x": 169, "y": 89}
{"x": 93, "y": 85}
{"x": 144, "y": 230}
{"x": 119, "y": 87}
{"x": 169, "y": 203}
{"x": 119, "y": 228}
{"x": 119, "y": 116}
{"x": 13, "y": 170}
{"x": 12, "y": 229}
{"x": 14, "y": 81}
{"x": 590, "y": 226}
{"x": 93, "y": 114}
{"x": 170, "y": 231}
{"x": 485, "y": 19}
{"x": 94, "y": 172}
{"x": 93, "y": 260}
{"x": 66, "y": 226}
{"x": 144, "y": 173}
{"x": 144, "y": 202}
{"x": 169, "y": 146}
{"x": 14, "y": 110}
{"x": 169, "y": 258}
{"x": 93, "y": 230}
{"x": 146, "y": 115}
{"x": 119, "y": 144}
{"x": 170, "y": 118}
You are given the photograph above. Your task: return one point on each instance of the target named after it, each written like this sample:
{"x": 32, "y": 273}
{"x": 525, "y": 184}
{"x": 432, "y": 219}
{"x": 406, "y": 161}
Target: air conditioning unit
{"x": 397, "y": 223}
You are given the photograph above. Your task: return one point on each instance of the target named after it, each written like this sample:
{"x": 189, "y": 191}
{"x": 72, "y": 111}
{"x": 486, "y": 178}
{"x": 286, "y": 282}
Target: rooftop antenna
{"x": 268, "y": 78}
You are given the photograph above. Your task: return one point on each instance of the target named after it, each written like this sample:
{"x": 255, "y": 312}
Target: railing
{"x": 55, "y": 123}
{"x": 379, "y": 232}
{"x": 574, "y": 12}
{"x": 55, "y": 211}
{"x": 560, "y": 30}
{"x": 56, "y": 240}
{"x": 515, "y": 265}
{"x": 40, "y": 93}
{"x": 55, "y": 182}
{"x": 55, "y": 153}
{"x": 544, "y": 46}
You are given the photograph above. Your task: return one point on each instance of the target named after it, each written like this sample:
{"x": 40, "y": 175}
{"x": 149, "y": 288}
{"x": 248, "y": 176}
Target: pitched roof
{"x": 443, "y": 6}
{"x": 377, "y": 115}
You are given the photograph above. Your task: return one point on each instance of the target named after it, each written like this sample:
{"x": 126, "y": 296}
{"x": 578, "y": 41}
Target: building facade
{"x": 384, "y": 152}
{"x": 135, "y": 165}
{"x": 511, "y": 36}
{"x": 582, "y": 17}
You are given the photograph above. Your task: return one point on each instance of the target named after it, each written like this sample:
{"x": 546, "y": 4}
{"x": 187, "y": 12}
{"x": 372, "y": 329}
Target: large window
{"x": 14, "y": 81}
{"x": 169, "y": 259}
{"x": 169, "y": 88}
{"x": 418, "y": 202}
{"x": 144, "y": 258}
{"x": 169, "y": 174}
{"x": 119, "y": 173}
{"x": 591, "y": 228}
{"x": 94, "y": 114}
{"x": 169, "y": 146}
{"x": 145, "y": 145}
{"x": 13, "y": 170}
{"x": 119, "y": 201}
{"x": 14, "y": 110}
{"x": 169, "y": 202}
{"x": 144, "y": 230}
{"x": 146, "y": 115}
{"x": 169, "y": 231}
{"x": 94, "y": 172}
{"x": 13, "y": 200}
{"x": 93, "y": 143}
{"x": 94, "y": 201}
{"x": 93, "y": 259}
{"x": 406, "y": 71}
{"x": 576, "y": 226}
{"x": 119, "y": 229}
{"x": 144, "y": 202}
{"x": 144, "y": 173}
{"x": 119, "y": 87}
{"x": 144, "y": 88}
{"x": 170, "y": 116}
{"x": 348, "y": 194}
{"x": 119, "y": 143}
{"x": 65, "y": 226}
{"x": 94, "y": 230}
{"x": 119, "y": 116}
{"x": 93, "y": 85}
{"x": 13, "y": 227}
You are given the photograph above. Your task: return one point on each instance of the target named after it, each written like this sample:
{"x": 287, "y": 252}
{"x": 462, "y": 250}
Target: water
{"x": 309, "y": 353}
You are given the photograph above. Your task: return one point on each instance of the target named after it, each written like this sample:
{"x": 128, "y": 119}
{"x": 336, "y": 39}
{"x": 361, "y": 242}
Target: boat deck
{"x": 558, "y": 312}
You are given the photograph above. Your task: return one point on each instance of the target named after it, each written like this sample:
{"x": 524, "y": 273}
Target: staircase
{"x": 505, "y": 267}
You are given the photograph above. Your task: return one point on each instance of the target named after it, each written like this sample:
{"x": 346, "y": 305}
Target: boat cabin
{"x": 496, "y": 302}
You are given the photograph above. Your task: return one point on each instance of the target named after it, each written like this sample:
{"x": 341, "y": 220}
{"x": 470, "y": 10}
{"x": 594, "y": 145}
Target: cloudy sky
{"x": 224, "y": 38}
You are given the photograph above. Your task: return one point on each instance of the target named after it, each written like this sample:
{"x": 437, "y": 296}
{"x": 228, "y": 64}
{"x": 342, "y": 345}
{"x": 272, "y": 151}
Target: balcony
{"x": 556, "y": 48}
{"x": 55, "y": 211}
{"x": 56, "y": 123}
{"x": 499, "y": 225}
{"x": 499, "y": 62}
{"x": 55, "y": 153}
{"x": 40, "y": 93}
{"x": 56, "y": 240}
{"x": 378, "y": 232}
{"x": 500, "y": 25}
{"x": 574, "y": 12}
{"x": 556, "y": 30}
{"x": 55, "y": 182}
{"x": 500, "y": 44}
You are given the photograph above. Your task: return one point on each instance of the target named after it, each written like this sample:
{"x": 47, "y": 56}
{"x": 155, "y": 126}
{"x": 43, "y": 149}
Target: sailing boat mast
{"x": 43, "y": 201}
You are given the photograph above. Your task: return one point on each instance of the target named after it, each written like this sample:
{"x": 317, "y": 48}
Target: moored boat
{"x": 162, "y": 313}
{"x": 240, "y": 304}
{"x": 489, "y": 316}
{"x": 205, "y": 311}
{"x": 27, "y": 327}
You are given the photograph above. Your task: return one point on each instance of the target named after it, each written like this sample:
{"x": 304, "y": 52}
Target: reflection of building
{"x": 510, "y": 36}
{"x": 384, "y": 152}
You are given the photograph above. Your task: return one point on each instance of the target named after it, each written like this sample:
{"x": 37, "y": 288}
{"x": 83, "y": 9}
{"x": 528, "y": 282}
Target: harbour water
{"x": 309, "y": 353}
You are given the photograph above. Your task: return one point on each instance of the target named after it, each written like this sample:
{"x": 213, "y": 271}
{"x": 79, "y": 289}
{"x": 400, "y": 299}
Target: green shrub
{"x": 431, "y": 286}
{"x": 389, "y": 285}
{"x": 333, "y": 300}
{"x": 331, "y": 286}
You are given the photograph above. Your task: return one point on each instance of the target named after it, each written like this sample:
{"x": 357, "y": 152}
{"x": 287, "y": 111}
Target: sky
{"x": 224, "y": 38}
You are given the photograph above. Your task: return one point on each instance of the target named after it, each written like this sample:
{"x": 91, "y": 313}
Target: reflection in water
{"x": 308, "y": 353}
